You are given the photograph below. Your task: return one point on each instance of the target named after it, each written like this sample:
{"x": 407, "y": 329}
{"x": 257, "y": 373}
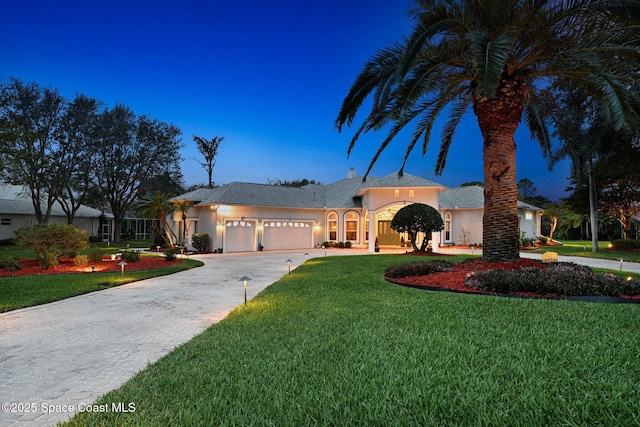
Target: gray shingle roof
{"x": 340, "y": 194}
{"x": 463, "y": 197}
{"x": 470, "y": 197}
{"x": 15, "y": 200}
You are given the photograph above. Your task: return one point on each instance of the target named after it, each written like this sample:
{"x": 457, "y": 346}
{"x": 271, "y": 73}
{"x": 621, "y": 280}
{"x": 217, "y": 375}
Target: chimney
{"x": 351, "y": 173}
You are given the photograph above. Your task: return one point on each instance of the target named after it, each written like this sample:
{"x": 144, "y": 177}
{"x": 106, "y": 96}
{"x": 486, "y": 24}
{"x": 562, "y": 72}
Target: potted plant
{"x": 377, "y": 247}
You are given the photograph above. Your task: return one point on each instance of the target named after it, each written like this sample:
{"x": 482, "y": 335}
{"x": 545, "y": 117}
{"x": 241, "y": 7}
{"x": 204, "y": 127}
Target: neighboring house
{"x": 16, "y": 211}
{"x": 243, "y": 216}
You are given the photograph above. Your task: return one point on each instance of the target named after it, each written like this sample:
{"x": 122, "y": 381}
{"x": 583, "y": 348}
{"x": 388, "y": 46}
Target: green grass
{"x": 582, "y": 248}
{"x": 27, "y": 291}
{"x": 333, "y": 344}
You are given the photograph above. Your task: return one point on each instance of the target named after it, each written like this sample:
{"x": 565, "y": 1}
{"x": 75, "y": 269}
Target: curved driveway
{"x": 56, "y": 357}
{"x": 66, "y": 354}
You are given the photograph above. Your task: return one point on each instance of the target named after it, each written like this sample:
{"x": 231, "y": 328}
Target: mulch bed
{"x": 453, "y": 281}
{"x": 30, "y": 266}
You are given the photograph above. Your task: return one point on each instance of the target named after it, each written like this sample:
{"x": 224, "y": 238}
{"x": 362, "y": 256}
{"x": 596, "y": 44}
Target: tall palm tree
{"x": 497, "y": 58}
{"x": 157, "y": 206}
{"x": 182, "y": 207}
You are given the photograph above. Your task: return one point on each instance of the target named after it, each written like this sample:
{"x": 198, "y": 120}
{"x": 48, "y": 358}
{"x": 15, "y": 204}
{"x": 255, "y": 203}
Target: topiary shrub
{"x": 420, "y": 268}
{"x": 562, "y": 279}
{"x": 201, "y": 241}
{"x": 416, "y": 218}
{"x": 348, "y": 245}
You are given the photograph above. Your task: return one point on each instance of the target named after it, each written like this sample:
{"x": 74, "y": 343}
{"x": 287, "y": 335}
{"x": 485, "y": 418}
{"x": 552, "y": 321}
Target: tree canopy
{"x": 417, "y": 218}
{"x": 497, "y": 59}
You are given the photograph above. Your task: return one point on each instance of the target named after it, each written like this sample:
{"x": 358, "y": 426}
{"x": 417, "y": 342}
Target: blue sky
{"x": 268, "y": 76}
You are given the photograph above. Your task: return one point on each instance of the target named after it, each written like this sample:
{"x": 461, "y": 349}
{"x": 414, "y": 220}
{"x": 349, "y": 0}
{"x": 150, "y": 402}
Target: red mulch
{"x": 454, "y": 280}
{"x": 30, "y": 266}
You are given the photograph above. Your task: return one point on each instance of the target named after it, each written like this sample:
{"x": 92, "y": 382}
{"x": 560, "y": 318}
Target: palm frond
{"x": 491, "y": 57}
{"x": 460, "y": 107}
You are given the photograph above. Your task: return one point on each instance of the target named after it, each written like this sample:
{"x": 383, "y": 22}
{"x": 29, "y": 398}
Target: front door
{"x": 387, "y": 235}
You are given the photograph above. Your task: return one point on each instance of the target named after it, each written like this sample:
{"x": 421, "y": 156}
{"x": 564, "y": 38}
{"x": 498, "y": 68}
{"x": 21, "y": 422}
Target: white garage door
{"x": 239, "y": 236}
{"x": 287, "y": 235}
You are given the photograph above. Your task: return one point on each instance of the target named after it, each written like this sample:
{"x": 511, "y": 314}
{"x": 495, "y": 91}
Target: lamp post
{"x": 621, "y": 261}
{"x": 122, "y": 264}
{"x": 245, "y": 279}
{"x": 306, "y": 256}
{"x": 289, "y": 263}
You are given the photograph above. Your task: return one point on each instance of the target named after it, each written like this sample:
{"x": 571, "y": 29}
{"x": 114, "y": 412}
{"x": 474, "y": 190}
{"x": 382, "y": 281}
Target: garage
{"x": 240, "y": 236}
{"x": 287, "y": 235}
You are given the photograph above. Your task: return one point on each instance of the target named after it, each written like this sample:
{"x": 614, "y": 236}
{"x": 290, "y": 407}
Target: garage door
{"x": 239, "y": 236}
{"x": 287, "y": 235}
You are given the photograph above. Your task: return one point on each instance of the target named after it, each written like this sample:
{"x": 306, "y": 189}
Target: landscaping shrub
{"x": 201, "y": 241}
{"x": 50, "y": 259}
{"x": 81, "y": 260}
{"x": 341, "y": 245}
{"x": 420, "y": 268}
{"x": 130, "y": 256}
{"x": 563, "y": 278}
{"x": 53, "y": 240}
{"x": 95, "y": 254}
{"x": 171, "y": 254}
{"x": 625, "y": 244}
{"x": 95, "y": 239}
{"x": 347, "y": 245}
{"x": 10, "y": 262}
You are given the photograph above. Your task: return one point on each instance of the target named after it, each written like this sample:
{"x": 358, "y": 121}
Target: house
{"x": 16, "y": 211}
{"x": 244, "y": 216}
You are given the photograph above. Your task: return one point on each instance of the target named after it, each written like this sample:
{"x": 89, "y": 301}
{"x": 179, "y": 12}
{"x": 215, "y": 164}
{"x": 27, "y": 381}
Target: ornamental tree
{"x": 416, "y": 218}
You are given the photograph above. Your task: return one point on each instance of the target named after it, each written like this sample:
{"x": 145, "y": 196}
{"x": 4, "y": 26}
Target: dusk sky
{"x": 267, "y": 76}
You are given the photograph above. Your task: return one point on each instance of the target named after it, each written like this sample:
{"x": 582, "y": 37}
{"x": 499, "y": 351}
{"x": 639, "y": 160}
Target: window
{"x": 351, "y": 226}
{"x": 447, "y": 227}
{"x": 412, "y": 193}
{"x": 332, "y": 220}
{"x": 5, "y": 221}
{"x": 396, "y": 193}
{"x": 528, "y": 216}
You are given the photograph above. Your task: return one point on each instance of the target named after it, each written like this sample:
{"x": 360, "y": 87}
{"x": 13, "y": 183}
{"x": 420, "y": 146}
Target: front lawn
{"x": 333, "y": 344}
{"x": 27, "y": 291}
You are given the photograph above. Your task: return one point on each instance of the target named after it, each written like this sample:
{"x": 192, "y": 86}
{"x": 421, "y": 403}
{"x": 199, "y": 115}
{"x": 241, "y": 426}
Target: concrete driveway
{"x": 57, "y": 357}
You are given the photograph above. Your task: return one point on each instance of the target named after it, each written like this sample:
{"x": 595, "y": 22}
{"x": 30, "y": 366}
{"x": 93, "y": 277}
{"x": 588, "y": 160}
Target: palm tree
{"x": 157, "y": 206}
{"x": 182, "y": 207}
{"x": 497, "y": 58}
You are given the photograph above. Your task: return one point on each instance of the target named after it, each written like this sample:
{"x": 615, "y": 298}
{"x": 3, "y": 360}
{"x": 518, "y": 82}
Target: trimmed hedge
{"x": 420, "y": 268}
{"x": 625, "y": 244}
{"x": 563, "y": 278}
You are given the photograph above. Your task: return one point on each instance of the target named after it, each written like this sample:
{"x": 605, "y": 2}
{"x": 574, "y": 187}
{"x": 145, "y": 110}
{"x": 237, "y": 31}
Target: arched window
{"x": 447, "y": 227}
{"x": 351, "y": 226}
{"x": 332, "y": 226}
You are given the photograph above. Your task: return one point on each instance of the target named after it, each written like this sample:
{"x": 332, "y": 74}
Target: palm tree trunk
{"x": 498, "y": 118}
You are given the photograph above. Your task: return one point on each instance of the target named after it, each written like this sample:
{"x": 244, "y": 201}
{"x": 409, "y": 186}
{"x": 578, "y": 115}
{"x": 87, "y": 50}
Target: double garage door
{"x": 287, "y": 235}
{"x": 241, "y": 236}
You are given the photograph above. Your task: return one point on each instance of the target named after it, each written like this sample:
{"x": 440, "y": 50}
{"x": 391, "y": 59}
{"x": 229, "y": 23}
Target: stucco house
{"x": 16, "y": 211}
{"x": 244, "y": 216}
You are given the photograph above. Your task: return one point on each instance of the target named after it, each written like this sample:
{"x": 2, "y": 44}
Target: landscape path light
{"x": 122, "y": 264}
{"x": 245, "y": 279}
{"x": 306, "y": 256}
{"x": 621, "y": 261}
{"x": 289, "y": 263}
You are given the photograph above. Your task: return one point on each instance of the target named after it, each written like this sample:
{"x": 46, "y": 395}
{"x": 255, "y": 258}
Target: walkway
{"x": 57, "y": 357}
